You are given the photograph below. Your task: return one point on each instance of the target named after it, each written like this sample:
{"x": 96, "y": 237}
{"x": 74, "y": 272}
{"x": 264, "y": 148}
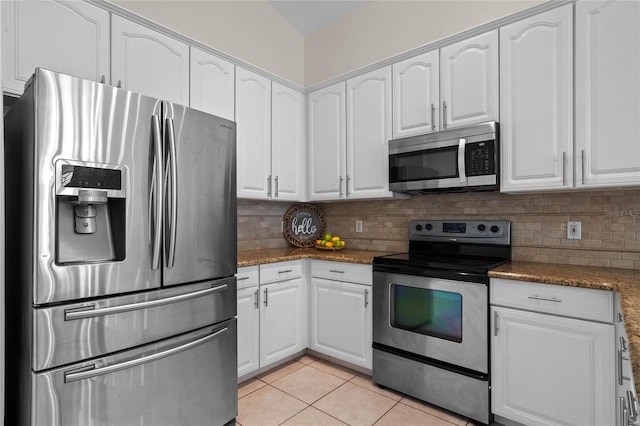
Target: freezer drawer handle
{"x": 85, "y": 373}
{"x": 90, "y": 311}
{"x": 546, "y": 299}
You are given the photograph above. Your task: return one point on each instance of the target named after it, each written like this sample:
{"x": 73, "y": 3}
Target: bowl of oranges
{"x": 330, "y": 242}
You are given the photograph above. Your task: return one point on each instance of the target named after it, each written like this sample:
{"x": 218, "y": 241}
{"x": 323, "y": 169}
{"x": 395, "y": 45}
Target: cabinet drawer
{"x": 247, "y": 276}
{"x": 585, "y": 303}
{"x": 281, "y": 271}
{"x": 341, "y": 271}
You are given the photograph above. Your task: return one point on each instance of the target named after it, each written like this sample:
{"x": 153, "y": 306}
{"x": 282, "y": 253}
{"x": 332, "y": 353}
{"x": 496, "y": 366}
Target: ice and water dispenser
{"x": 90, "y": 212}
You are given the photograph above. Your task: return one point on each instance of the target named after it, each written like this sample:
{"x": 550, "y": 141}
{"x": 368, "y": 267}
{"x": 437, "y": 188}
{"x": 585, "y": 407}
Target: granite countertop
{"x": 625, "y": 281}
{"x": 257, "y": 257}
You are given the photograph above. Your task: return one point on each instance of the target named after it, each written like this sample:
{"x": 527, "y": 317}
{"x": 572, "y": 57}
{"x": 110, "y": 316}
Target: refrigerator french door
{"x": 121, "y": 235}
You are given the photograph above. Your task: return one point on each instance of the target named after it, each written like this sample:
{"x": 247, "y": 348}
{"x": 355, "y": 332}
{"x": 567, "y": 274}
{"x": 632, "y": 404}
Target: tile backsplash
{"x": 610, "y": 223}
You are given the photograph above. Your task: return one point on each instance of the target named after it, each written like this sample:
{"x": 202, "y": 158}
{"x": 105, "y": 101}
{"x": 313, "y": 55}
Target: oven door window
{"x": 434, "y": 313}
{"x": 435, "y": 163}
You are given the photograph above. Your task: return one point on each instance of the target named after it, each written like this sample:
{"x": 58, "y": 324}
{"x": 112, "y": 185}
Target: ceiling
{"x": 308, "y": 16}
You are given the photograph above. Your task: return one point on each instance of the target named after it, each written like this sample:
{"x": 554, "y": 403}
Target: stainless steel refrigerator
{"x": 121, "y": 255}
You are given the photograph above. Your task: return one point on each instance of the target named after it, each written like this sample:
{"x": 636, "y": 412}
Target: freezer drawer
{"x": 70, "y": 333}
{"x": 186, "y": 380}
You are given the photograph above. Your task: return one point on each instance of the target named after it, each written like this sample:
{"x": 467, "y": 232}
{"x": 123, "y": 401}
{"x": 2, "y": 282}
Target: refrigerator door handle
{"x": 90, "y": 311}
{"x": 155, "y": 206}
{"x": 173, "y": 202}
{"x": 87, "y": 372}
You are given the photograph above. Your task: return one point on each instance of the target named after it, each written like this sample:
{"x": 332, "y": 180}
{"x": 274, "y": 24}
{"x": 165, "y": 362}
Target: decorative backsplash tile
{"x": 610, "y": 223}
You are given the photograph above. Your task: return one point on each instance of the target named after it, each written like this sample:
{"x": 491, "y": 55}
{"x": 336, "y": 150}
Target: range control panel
{"x": 493, "y": 231}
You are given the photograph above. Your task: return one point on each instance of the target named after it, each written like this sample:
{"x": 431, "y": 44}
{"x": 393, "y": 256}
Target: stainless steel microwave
{"x": 462, "y": 159}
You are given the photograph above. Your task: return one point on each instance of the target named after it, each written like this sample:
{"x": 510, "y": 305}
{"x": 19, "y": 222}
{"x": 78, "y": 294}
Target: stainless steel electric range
{"x": 431, "y": 313}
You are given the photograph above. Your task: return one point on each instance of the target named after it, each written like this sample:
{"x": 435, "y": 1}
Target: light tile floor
{"x": 314, "y": 392}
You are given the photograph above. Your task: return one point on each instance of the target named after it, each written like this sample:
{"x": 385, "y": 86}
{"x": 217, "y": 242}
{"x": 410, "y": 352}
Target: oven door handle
{"x": 461, "y": 154}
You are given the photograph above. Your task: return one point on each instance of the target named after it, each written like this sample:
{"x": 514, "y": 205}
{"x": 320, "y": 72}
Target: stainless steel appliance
{"x": 462, "y": 159}
{"x": 121, "y": 255}
{"x": 431, "y": 313}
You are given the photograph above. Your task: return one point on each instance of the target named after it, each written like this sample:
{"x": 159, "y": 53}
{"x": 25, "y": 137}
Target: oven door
{"x": 440, "y": 319}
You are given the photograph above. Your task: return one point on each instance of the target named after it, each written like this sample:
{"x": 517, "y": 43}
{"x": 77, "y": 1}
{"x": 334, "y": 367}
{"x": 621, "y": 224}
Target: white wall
{"x": 382, "y": 29}
{"x": 250, "y": 30}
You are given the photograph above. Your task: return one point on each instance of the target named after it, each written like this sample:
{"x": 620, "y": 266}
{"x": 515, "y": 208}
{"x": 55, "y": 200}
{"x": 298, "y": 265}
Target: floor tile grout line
{"x": 385, "y": 413}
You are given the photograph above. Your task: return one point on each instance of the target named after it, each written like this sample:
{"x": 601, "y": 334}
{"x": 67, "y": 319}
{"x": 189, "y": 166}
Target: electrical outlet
{"x": 574, "y": 230}
{"x": 358, "y": 226}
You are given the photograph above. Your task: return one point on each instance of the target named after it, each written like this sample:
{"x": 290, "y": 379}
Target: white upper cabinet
{"x": 148, "y": 62}
{"x": 68, "y": 37}
{"x": 469, "y": 81}
{"x": 607, "y": 93}
{"x": 212, "y": 84}
{"x": 536, "y": 102}
{"x": 368, "y": 134}
{"x": 288, "y": 154}
{"x": 327, "y": 142}
{"x": 416, "y": 95}
{"x": 253, "y": 139}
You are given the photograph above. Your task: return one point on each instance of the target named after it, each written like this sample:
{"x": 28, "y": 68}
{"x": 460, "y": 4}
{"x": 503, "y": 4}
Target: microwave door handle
{"x": 461, "y": 155}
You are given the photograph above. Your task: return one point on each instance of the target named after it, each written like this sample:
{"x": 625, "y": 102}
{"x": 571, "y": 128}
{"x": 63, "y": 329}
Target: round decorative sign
{"x": 303, "y": 224}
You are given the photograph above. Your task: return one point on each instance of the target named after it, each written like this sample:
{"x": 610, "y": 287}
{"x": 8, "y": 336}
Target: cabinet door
{"x": 148, "y": 62}
{"x": 341, "y": 321}
{"x": 469, "y": 81}
{"x": 283, "y": 320}
{"x": 248, "y": 330}
{"x": 288, "y": 143}
{"x": 368, "y": 134}
{"x": 607, "y": 93}
{"x": 536, "y": 102}
{"x": 327, "y": 142}
{"x": 212, "y": 84}
{"x": 416, "y": 95}
{"x": 552, "y": 370}
{"x": 253, "y": 118}
{"x": 71, "y": 37}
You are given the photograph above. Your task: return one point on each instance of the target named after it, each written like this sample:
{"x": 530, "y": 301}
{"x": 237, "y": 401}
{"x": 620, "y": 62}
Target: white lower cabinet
{"x": 282, "y": 320}
{"x": 341, "y": 323}
{"x": 548, "y": 368}
{"x": 272, "y": 314}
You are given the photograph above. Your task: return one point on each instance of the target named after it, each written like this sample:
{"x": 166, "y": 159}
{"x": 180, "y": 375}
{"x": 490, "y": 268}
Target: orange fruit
{"x": 318, "y": 242}
{"x": 329, "y": 244}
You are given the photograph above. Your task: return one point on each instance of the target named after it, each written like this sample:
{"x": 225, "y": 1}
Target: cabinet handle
{"x": 366, "y": 297}
{"x": 257, "y": 303}
{"x": 119, "y": 85}
{"x": 269, "y": 186}
{"x": 433, "y": 117}
{"x": 242, "y": 278}
{"x": 285, "y": 271}
{"x": 266, "y": 297}
{"x": 564, "y": 173}
{"x": 620, "y": 317}
{"x": 582, "y": 160}
{"x": 340, "y": 185}
{"x": 347, "y": 187}
{"x": 633, "y": 408}
{"x": 623, "y": 344}
{"x": 444, "y": 115}
{"x": 546, "y": 299}
{"x": 621, "y": 376}
{"x": 335, "y": 271}
{"x": 276, "y": 185}
{"x": 103, "y": 79}
{"x": 495, "y": 323}
{"x": 624, "y": 413}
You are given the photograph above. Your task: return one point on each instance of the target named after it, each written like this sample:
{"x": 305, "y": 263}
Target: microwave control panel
{"x": 480, "y": 158}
